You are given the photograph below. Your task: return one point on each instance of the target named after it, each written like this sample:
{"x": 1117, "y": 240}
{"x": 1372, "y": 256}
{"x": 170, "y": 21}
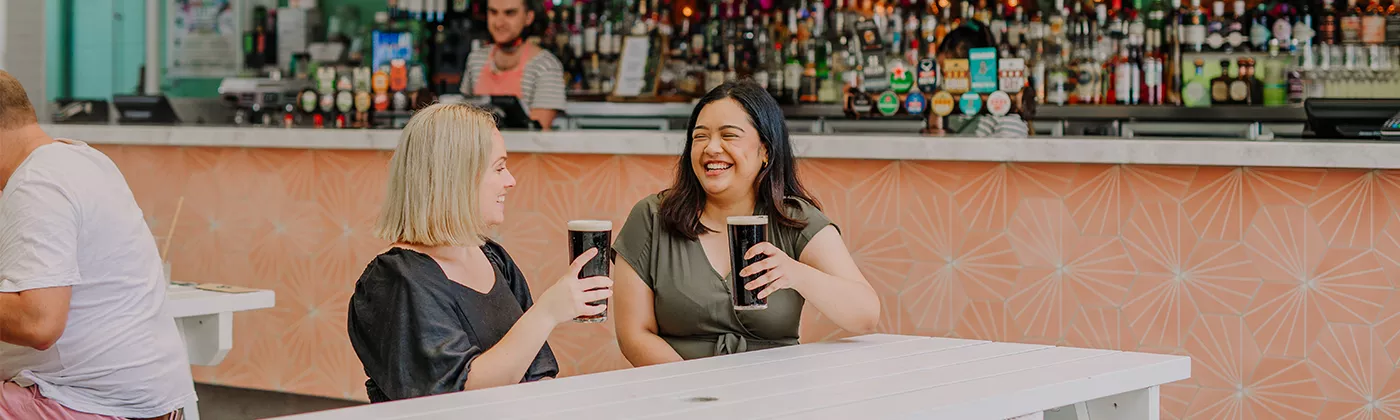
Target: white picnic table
{"x": 878, "y": 376}
{"x": 205, "y": 321}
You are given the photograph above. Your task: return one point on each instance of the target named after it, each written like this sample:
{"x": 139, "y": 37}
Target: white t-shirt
{"x": 67, "y": 218}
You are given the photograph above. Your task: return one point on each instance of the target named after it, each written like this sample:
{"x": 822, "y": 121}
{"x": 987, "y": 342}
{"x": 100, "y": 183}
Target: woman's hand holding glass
{"x": 779, "y": 270}
{"x": 569, "y": 297}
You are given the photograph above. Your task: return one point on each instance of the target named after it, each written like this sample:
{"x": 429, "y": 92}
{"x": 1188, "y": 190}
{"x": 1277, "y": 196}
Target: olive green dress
{"x": 694, "y": 313}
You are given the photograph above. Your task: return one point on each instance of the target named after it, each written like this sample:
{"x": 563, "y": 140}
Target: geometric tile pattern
{"x": 1279, "y": 283}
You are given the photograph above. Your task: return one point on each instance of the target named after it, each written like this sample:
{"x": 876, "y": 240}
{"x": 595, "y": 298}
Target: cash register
{"x": 1360, "y": 119}
{"x": 509, "y": 112}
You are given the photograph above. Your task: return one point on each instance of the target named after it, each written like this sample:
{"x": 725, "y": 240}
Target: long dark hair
{"x": 777, "y": 182}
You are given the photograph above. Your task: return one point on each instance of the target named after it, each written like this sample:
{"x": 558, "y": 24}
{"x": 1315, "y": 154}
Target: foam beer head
{"x": 748, "y": 220}
{"x": 590, "y": 225}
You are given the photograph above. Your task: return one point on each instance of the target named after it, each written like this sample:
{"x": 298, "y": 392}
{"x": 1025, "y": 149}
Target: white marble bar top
{"x": 1219, "y": 152}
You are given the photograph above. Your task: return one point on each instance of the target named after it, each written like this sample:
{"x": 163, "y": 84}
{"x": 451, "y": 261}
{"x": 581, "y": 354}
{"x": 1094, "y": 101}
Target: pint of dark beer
{"x": 585, "y": 234}
{"x": 744, "y": 233}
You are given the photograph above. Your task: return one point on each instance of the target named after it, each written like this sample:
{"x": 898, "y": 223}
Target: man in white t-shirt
{"x": 83, "y": 333}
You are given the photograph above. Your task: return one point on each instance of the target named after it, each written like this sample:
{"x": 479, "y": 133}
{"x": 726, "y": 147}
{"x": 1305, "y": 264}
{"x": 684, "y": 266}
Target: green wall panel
{"x": 101, "y": 47}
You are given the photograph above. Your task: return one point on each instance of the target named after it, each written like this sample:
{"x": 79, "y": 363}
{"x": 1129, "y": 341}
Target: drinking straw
{"x": 171, "y": 233}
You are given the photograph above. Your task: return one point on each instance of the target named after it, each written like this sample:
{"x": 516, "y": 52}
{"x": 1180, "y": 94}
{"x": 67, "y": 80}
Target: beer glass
{"x": 585, "y": 234}
{"x": 744, "y": 233}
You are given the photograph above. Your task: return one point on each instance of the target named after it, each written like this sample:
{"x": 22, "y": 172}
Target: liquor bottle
{"x": 792, "y": 76}
{"x": 1220, "y": 86}
{"x": 894, "y": 33}
{"x": 1259, "y": 29}
{"x": 363, "y": 99}
{"x": 1172, "y": 49}
{"x": 1328, "y": 26}
{"x": 828, "y": 60}
{"x": 945, "y": 24}
{"x": 344, "y": 99}
{"x": 325, "y": 93}
{"x": 1392, "y": 23}
{"x": 998, "y": 24}
{"x": 1153, "y": 74}
{"x": 928, "y": 29}
{"x": 1057, "y": 21}
{"x": 1217, "y": 37}
{"x": 1156, "y": 19}
{"x": 731, "y": 63}
{"x": 1275, "y": 83}
{"x": 1284, "y": 16}
{"x": 379, "y": 84}
{"x": 714, "y": 72}
{"x": 307, "y": 102}
{"x": 1235, "y": 23}
{"x": 1297, "y": 85}
{"x": 1194, "y": 29}
{"x": 1195, "y": 92}
{"x": 1089, "y": 83}
{"x": 808, "y": 89}
{"x": 984, "y": 13}
{"x": 1256, "y": 83}
{"x": 913, "y": 42}
{"x": 850, "y": 75}
{"x": 1103, "y": 35}
{"x": 1037, "y": 30}
{"x": 1350, "y": 23}
{"x": 1241, "y": 86}
{"x": 1304, "y": 34}
{"x": 1125, "y": 77}
{"x": 1373, "y": 24}
{"x": 589, "y": 35}
{"x": 1137, "y": 23}
{"x": 834, "y": 83}
{"x": 398, "y": 83}
{"x": 761, "y": 47}
{"x": 1004, "y": 48}
{"x": 255, "y": 41}
{"x": 1114, "y": 29}
{"x": 1058, "y": 87}
{"x": 774, "y": 50}
{"x": 1016, "y": 28}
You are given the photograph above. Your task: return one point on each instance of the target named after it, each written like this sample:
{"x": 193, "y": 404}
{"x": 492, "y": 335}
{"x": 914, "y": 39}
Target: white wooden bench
{"x": 869, "y": 377}
{"x": 205, "y": 320}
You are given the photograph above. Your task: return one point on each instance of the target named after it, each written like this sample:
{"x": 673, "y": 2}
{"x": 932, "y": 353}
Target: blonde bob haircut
{"x": 433, "y": 196}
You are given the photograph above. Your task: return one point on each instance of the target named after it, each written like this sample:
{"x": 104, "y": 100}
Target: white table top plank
{"x": 589, "y": 397}
{"x": 187, "y": 301}
{"x": 999, "y": 397}
{"x": 740, "y": 396}
{"x": 875, "y": 376}
{"x": 434, "y": 406}
{"x": 911, "y": 375}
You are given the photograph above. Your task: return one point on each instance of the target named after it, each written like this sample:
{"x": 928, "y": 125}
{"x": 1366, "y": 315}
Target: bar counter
{"x": 1145, "y": 151}
{"x": 1266, "y": 262}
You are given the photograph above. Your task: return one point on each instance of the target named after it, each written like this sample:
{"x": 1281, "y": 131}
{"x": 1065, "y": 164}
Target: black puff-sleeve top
{"x": 417, "y": 332}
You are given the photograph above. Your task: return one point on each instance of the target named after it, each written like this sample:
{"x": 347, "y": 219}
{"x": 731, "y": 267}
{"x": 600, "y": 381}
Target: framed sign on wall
{"x": 204, "y": 38}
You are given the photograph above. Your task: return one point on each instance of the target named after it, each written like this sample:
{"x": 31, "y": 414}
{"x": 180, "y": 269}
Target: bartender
{"x": 513, "y": 67}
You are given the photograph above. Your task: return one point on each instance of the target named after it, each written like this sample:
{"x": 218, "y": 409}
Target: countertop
{"x": 1156, "y": 151}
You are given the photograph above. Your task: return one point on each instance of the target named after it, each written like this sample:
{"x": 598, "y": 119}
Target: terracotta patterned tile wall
{"x": 1280, "y": 283}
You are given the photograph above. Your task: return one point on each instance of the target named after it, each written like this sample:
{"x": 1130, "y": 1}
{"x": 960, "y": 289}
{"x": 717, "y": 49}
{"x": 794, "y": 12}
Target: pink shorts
{"x": 17, "y": 402}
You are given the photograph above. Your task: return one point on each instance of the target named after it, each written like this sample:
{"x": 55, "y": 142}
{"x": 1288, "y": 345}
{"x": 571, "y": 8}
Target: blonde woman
{"x": 445, "y": 309}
